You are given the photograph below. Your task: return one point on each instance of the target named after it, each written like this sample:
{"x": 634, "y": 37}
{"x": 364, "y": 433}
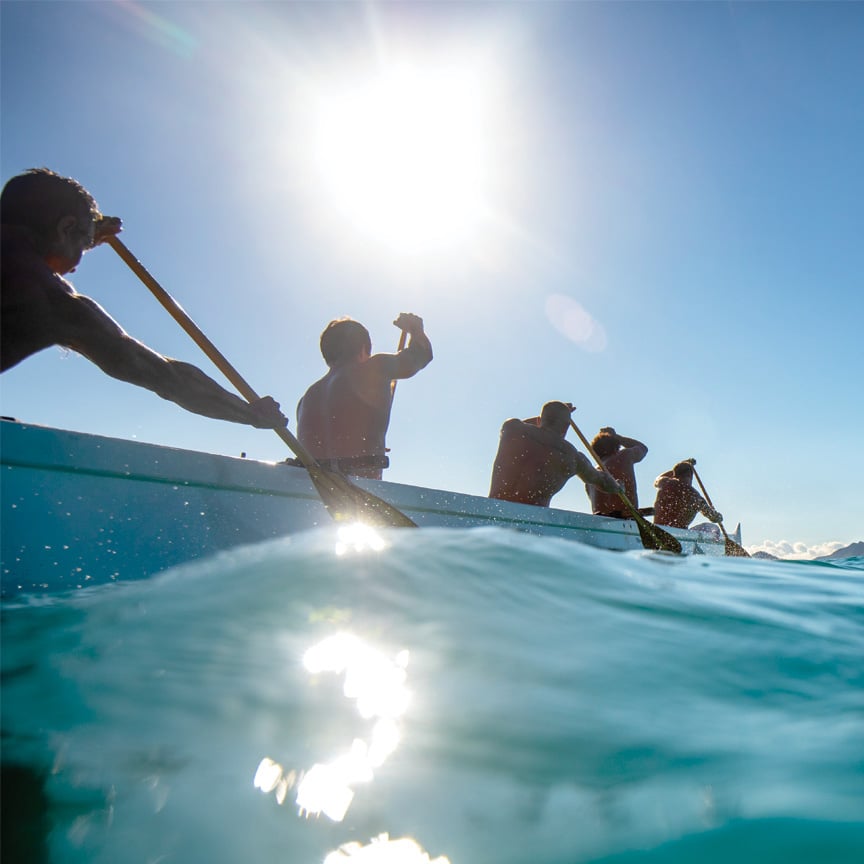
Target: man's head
{"x": 605, "y": 442}
{"x": 59, "y": 212}
{"x": 555, "y": 416}
{"x": 683, "y": 471}
{"x": 344, "y": 340}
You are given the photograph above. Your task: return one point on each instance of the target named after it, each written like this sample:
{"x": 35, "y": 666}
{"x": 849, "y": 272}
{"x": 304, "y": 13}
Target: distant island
{"x": 851, "y": 551}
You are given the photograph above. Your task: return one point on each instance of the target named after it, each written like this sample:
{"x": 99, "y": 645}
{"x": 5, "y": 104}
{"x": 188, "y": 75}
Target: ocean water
{"x": 439, "y": 695}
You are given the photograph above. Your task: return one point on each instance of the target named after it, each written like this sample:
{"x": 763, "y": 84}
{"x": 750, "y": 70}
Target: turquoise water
{"x": 477, "y": 696}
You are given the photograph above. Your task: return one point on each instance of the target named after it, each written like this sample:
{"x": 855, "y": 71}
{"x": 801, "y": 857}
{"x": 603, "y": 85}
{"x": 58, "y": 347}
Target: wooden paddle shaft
{"x": 708, "y": 498}
{"x": 182, "y": 318}
{"x": 178, "y": 313}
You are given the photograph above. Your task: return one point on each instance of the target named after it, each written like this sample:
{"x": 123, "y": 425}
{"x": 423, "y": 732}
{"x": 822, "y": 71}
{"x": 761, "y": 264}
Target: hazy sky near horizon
{"x": 652, "y": 210}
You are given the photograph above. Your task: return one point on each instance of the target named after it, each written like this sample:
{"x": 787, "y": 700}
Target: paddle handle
{"x": 178, "y": 313}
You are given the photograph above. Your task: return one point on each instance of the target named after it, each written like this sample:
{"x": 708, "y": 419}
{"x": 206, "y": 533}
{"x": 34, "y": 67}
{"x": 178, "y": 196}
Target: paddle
{"x": 653, "y": 536}
{"x": 343, "y": 500}
{"x": 403, "y": 336}
{"x": 732, "y": 548}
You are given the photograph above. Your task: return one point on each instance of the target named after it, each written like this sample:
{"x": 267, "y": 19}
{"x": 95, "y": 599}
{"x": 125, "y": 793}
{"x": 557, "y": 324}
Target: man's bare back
{"x": 343, "y": 417}
{"x": 530, "y": 466}
{"x": 677, "y": 502}
{"x": 620, "y": 464}
{"x": 534, "y": 460}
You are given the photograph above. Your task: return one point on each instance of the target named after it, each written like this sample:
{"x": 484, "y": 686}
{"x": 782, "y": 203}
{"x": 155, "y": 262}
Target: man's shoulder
{"x": 365, "y": 376}
{"x": 377, "y": 364}
{"x": 25, "y": 272}
{"x": 40, "y": 290}
{"x": 519, "y": 428}
{"x": 635, "y": 452}
{"x": 319, "y": 386}
{"x": 619, "y": 459}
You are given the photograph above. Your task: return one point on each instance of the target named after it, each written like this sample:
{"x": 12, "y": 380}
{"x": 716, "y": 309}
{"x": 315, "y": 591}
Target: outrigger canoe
{"x": 81, "y": 509}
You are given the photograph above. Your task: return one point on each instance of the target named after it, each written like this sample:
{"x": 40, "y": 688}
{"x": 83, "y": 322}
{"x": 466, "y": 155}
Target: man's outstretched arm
{"x": 636, "y": 449}
{"x": 86, "y": 328}
{"x": 707, "y": 510}
{"x": 586, "y": 472}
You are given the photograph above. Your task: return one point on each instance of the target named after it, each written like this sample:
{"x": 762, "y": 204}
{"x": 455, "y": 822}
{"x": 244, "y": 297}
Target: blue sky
{"x": 656, "y": 216}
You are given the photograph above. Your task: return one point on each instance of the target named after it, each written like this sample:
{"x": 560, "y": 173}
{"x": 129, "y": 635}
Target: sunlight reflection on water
{"x": 383, "y": 850}
{"x": 377, "y": 685}
{"x": 358, "y": 537}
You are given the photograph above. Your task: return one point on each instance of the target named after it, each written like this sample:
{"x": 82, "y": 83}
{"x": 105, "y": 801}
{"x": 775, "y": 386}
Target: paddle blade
{"x": 349, "y": 503}
{"x": 654, "y": 537}
{"x": 733, "y": 550}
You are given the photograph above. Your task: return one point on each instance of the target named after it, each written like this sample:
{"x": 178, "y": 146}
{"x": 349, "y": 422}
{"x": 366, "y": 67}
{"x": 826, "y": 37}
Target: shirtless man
{"x": 342, "y": 419}
{"x": 48, "y": 222}
{"x": 677, "y": 501}
{"x": 534, "y": 460}
{"x": 618, "y": 455}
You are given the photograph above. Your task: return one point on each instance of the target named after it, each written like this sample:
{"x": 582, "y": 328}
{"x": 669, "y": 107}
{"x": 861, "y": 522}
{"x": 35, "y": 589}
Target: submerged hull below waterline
{"x": 81, "y": 509}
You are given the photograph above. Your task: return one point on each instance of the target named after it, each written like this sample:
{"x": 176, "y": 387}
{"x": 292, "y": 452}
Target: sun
{"x": 406, "y": 156}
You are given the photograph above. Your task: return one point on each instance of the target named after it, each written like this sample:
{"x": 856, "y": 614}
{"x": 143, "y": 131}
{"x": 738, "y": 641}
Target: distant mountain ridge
{"x": 850, "y": 551}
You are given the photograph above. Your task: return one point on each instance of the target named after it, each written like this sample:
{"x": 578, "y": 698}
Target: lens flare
{"x": 576, "y": 323}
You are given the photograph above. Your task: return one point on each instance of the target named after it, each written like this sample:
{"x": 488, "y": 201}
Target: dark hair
{"x": 343, "y": 339}
{"x": 683, "y": 471}
{"x": 39, "y": 198}
{"x": 605, "y": 444}
{"x": 556, "y": 413}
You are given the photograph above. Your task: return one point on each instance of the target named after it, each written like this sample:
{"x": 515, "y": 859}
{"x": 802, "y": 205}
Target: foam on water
{"x": 471, "y": 696}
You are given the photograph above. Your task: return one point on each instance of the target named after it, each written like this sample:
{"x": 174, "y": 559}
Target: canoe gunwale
{"x": 67, "y": 495}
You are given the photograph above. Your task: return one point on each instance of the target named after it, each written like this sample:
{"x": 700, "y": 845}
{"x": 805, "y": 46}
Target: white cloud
{"x": 797, "y": 551}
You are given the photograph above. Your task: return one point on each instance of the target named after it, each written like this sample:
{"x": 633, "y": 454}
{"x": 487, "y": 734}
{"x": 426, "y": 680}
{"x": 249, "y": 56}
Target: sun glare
{"x": 405, "y": 156}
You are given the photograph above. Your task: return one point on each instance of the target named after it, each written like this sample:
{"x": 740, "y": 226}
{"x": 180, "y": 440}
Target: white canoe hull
{"x": 81, "y": 509}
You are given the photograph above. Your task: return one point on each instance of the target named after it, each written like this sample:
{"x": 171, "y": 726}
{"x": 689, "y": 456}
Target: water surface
{"x": 468, "y": 696}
